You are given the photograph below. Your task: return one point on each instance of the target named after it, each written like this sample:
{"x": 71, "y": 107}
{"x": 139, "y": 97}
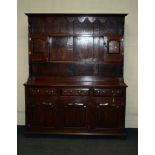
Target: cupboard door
{"x": 74, "y": 113}
{"x": 108, "y": 115}
{"x": 39, "y": 48}
{"x": 114, "y": 49}
{"x": 41, "y": 113}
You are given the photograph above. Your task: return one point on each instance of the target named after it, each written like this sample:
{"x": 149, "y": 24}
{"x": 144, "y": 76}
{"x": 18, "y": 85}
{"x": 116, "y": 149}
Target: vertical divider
{"x": 49, "y": 50}
{"x": 73, "y": 40}
{"x": 93, "y": 40}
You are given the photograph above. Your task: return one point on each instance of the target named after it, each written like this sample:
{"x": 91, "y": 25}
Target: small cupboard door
{"x": 75, "y": 113}
{"x": 114, "y": 49}
{"x": 41, "y": 113}
{"x": 39, "y": 48}
{"x": 108, "y": 114}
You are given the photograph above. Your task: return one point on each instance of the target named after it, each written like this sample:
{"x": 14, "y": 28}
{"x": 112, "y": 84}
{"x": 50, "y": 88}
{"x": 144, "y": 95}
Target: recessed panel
{"x": 83, "y": 48}
{"x": 62, "y": 48}
{"x": 59, "y": 25}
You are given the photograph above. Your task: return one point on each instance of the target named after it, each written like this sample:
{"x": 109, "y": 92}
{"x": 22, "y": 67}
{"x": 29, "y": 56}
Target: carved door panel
{"x": 114, "y": 49}
{"x": 108, "y": 115}
{"x": 74, "y": 113}
{"x": 41, "y": 113}
{"x": 39, "y": 48}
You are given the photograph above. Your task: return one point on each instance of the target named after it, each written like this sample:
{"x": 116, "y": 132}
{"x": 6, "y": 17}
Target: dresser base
{"x": 104, "y": 132}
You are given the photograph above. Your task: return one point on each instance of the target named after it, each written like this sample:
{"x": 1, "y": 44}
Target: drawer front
{"x": 43, "y": 91}
{"x": 75, "y": 92}
{"x": 108, "y": 92}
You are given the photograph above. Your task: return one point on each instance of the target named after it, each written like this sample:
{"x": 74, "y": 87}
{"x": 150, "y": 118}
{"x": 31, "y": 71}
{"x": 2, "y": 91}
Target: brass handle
{"x": 75, "y": 104}
{"x": 104, "y": 104}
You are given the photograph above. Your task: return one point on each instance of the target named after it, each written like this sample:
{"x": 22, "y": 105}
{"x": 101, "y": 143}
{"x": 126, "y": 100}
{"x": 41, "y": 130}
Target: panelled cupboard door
{"x": 39, "y": 48}
{"x": 114, "y": 49}
{"x": 75, "y": 113}
{"x": 41, "y": 113}
{"x": 108, "y": 115}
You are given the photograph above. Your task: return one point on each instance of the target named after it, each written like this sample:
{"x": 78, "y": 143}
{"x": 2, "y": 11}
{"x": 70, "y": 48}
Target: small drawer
{"x": 75, "y": 92}
{"x": 43, "y": 91}
{"x": 108, "y": 92}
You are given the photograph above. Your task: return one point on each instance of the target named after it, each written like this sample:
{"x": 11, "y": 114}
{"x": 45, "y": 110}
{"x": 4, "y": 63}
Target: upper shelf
{"x": 70, "y": 35}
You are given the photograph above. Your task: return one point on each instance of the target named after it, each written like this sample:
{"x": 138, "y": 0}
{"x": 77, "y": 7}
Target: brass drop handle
{"x": 47, "y": 103}
{"x": 104, "y": 104}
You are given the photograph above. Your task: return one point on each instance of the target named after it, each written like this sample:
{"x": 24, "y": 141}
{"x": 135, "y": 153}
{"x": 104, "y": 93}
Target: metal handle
{"x": 47, "y": 103}
{"x": 75, "y": 104}
{"x": 104, "y": 104}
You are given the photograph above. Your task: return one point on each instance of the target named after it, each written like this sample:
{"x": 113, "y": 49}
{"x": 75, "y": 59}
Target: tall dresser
{"x": 75, "y": 83}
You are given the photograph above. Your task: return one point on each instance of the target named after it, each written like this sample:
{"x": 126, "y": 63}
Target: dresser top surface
{"x": 76, "y": 14}
{"x": 91, "y": 81}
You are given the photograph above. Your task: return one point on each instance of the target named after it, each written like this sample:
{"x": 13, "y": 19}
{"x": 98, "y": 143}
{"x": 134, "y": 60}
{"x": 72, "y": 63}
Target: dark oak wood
{"x": 75, "y": 83}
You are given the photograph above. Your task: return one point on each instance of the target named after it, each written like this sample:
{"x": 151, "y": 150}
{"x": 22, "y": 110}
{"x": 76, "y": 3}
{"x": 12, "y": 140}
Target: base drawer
{"x": 108, "y": 92}
{"x": 75, "y": 92}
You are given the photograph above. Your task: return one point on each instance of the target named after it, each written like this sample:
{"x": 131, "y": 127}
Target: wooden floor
{"x": 77, "y": 145}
